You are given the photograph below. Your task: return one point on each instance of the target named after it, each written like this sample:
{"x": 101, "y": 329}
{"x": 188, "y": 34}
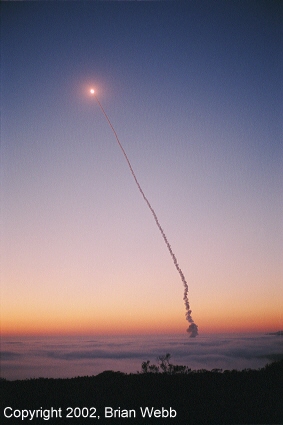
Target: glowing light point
{"x": 92, "y": 91}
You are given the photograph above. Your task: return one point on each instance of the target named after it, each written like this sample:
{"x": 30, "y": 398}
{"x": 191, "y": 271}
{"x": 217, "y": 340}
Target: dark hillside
{"x": 194, "y": 397}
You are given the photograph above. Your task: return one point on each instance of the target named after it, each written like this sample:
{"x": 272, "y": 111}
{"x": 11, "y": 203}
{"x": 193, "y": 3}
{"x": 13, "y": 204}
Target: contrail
{"x": 193, "y": 328}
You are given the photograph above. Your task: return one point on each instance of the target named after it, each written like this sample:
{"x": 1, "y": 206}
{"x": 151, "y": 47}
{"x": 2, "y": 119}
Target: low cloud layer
{"x": 59, "y": 357}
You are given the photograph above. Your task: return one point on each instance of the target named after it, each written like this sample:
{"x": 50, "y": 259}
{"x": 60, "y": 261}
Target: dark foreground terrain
{"x": 177, "y": 396}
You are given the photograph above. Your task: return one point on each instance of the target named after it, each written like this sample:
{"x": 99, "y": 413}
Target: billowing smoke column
{"x": 192, "y": 329}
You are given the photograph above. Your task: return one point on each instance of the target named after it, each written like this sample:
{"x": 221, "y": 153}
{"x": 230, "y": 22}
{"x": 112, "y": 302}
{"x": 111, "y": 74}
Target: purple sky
{"x": 194, "y": 91}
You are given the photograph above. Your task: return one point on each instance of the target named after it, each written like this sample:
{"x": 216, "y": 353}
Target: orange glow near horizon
{"x": 158, "y": 310}
{"x": 73, "y": 324}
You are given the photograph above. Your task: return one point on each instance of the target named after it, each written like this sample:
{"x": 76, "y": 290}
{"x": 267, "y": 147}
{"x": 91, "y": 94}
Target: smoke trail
{"x": 193, "y": 328}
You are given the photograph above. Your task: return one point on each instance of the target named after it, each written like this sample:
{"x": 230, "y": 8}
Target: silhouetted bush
{"x": 164, "y": 366}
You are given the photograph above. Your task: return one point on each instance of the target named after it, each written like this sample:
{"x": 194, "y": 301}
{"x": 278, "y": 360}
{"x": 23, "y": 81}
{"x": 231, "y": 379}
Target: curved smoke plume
{"x": 192, "y": 329}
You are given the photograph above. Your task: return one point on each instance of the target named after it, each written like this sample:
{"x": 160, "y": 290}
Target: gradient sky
{"x": 194, "y": 91}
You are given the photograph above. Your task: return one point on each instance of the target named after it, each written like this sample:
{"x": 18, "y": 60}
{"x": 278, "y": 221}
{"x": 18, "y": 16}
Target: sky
{"x": 194, "y": 92}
